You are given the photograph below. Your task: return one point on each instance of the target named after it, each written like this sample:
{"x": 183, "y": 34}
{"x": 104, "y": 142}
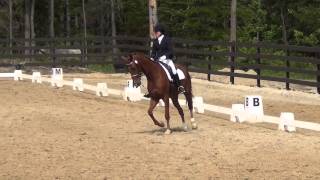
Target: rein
{"x": 137, "y": 75}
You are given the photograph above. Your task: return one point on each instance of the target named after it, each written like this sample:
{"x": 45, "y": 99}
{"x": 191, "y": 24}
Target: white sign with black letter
{"x": 254, "y": 107}
{"x": 57, "y": 77}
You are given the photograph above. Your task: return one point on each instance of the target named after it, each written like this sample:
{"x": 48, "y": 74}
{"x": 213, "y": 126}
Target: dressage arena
{"x": 58, "y": 133}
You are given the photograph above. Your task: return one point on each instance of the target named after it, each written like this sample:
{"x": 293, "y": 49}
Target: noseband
{"x": 139, "y": 74}
{"x": 136, "y": 75}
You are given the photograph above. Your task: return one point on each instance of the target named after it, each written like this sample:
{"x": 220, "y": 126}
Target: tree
{"x": 113, "y": 26}
{"x": 84, "y": 29}
{"x": 10, "y": 24}
{"x": 67, "y": 21}
{"x": 233, "y": 21}
{"x": 51, "y": 19}
{"x": 153, "y": 17}
{"x": 27, "y": 24}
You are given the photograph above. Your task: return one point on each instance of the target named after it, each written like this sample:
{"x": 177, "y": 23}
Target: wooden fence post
{"x": 232, "y": 61}
{"x": 209, "y": 66}
{"x": 258, "y": 70}
{"x": 209, "y": 72}
{"x": 287, "y": 72}
{"x": 318, "y": 75}
{"x": 52, "y": 51}
{"x": 318, "y": 78}
{"x": 82, "y": 52}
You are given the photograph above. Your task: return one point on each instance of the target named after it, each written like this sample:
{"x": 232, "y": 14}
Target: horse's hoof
{"x": 185, "y": 127}
{"x": 168, "y": 131}
{"x": 194, "y": 126}
{"x": 161, "y": 124}
{"x": 193, "y": 123}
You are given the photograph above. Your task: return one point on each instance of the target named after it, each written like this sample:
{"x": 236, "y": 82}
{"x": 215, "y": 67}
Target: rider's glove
{"x": 162, "y": 58}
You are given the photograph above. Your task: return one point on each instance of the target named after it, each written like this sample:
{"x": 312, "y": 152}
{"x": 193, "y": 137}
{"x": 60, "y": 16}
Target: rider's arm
{"x": 154, "y": 50}
{"x": 169, "y": 53}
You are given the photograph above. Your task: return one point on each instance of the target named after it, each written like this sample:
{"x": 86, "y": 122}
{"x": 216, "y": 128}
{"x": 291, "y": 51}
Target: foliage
{"x": 193, "y": 19}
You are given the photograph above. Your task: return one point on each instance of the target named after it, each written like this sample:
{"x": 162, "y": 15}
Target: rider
{"x": 162, "y": 51}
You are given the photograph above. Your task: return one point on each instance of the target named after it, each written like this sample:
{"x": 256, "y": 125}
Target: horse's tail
{"x": 188, "y": 94}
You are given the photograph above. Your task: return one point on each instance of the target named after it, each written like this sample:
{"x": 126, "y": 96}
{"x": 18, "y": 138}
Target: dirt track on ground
{"x": 48, "y": 133}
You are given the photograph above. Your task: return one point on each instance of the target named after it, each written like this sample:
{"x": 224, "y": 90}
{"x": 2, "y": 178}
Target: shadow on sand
{"x": 160, "y": 131}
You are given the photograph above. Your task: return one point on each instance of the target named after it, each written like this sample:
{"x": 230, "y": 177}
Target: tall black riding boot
{"x": 178, "y": 84}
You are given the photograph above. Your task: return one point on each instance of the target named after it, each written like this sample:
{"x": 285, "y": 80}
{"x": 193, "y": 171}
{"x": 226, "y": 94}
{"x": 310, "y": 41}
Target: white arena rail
{"x": 207, "y": 107}
{"x": 6, "y": 75}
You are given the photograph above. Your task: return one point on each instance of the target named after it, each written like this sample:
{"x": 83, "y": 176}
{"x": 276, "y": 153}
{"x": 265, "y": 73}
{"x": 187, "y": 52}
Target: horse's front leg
{"x": 152, "y": 105}
{"x": 167, "y": 115}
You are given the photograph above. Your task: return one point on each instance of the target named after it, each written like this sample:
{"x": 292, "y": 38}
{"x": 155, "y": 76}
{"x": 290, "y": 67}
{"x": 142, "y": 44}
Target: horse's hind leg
{"x": 180, "y": 110}
{"x": 167, "y": 115}
{"x": 152, "y": 105}
{"x": 188, "y": 96}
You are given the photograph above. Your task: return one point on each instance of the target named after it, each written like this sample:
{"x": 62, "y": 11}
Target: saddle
{"x": 169, "y": 72}
{"x": 167, "y": 67}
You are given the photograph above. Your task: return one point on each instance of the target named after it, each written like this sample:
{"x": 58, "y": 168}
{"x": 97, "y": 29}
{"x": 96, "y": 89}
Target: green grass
{"x": 106, "y": 68}
{"x": 279, "y": 74}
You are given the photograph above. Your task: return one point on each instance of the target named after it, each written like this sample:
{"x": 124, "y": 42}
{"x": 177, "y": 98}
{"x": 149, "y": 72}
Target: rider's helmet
{"x": 159, "y": 28}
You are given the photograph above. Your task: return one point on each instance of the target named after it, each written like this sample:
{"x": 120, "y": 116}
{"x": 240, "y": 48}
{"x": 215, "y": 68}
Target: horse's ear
{"x": 131, "y": 57}
{"x": 124, "y": 58}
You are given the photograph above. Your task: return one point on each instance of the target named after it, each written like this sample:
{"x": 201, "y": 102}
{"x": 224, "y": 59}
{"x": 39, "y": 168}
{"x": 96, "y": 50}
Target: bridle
{"x": 137, "y": 75}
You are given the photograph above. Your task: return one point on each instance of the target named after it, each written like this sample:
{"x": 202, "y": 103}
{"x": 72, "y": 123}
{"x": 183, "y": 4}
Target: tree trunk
{"x": 102, "y": 19}
{"x": 233, "y": 37}
{"x": 153, "y": 17}
{"x": 233, "y": 21}
{"x": 51, "y": 32}
{"x": 285, "y": 41}
{"x": 76, "y": 22}
{"x": 67, "y": 21}
{"x": 10, "y": 25}
{"x": 113, "y": 28}
{"x": 102, "y": 24}
{"x": 32, "y": 33}
{"x": 27, "y": 25}
{"x": 84, "y": 29}
{"x": 51, "y": 19}
{"x": 284, "y": 27}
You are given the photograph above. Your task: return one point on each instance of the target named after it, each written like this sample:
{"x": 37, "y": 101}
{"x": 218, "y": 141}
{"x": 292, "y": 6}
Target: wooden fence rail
{"x": 296, "y": 64}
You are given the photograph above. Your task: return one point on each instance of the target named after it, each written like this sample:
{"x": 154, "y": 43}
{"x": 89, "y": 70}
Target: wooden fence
{"x": 271, "y": 62}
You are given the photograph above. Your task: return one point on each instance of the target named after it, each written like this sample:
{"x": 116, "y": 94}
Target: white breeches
{"x": 170, "y": 63}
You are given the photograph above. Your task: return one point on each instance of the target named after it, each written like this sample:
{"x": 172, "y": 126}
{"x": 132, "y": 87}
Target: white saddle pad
{"x": 180, "y": 73}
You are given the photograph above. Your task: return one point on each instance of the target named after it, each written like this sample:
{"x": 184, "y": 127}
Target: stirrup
{"x": 181, "y": 89}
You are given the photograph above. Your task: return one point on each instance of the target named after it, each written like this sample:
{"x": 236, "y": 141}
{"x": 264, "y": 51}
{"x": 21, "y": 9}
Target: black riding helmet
{"x": 159, "y": 28}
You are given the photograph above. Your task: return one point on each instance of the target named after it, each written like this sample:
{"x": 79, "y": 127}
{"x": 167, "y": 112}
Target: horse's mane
{"x": 143, "y": 55}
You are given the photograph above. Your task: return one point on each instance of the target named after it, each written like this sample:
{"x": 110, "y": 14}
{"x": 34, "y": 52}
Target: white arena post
{"x": 57, "y": 77}
{"x": 198, "y": 104}
{"x": 77, "y": 84}
{"x": 36, "y": 77}
{"x": 286, "y": 122}
{"x": 102, "y": 89}
{"x": 17, "y": 75}
{"x": 238, "y": 113}
{"x": 131, "y": 93}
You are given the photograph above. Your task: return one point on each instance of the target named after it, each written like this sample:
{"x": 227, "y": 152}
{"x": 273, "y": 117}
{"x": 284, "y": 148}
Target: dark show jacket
{"x": 164, "y": 48}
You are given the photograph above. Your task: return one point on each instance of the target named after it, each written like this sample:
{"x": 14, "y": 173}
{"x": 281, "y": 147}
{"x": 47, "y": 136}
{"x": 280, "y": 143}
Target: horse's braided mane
{"x": 143, "y": 55}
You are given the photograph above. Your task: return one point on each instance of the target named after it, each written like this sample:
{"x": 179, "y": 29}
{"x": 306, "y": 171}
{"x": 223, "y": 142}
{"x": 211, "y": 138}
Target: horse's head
{"x": 134, "y": 69}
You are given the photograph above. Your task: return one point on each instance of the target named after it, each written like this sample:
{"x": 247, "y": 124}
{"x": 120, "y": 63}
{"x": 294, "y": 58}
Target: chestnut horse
{"x": 159, "y": 87}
